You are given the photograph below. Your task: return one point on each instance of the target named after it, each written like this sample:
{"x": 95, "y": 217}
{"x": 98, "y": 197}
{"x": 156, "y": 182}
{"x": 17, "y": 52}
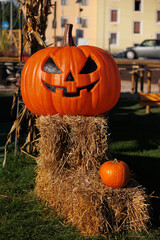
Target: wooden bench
{"x": 149, "y": 99}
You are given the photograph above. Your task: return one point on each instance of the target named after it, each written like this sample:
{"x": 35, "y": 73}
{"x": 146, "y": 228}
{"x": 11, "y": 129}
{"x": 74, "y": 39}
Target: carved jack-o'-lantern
{"x": 70, "y": 80}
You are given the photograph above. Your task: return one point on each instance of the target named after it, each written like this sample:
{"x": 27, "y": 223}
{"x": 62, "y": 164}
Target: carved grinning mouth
{"x": 70, "y": 94}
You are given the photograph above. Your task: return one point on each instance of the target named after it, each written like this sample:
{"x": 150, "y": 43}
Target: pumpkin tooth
{"x": 70, "y": 94}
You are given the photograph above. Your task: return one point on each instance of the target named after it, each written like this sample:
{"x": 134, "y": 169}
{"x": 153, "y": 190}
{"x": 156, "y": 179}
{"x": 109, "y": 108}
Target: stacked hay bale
{"x": 72, "y": 149}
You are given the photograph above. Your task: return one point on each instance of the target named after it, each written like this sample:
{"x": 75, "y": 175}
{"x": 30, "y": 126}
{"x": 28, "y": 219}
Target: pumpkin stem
{"x": 115, "y": 160}
{"x": 67, "y": 38}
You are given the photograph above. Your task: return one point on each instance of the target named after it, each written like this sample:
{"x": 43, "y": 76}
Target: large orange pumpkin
{"x": 115, "y": 173}
{"x": 70, "y": 80}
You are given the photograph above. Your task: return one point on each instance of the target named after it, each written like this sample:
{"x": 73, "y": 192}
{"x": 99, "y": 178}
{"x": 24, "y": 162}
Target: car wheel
{"x": 130, "y": 55}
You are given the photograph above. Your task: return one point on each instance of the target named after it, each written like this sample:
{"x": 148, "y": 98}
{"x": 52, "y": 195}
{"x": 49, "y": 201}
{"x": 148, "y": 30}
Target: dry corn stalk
{"x": 30, "y": 131}
{"x": 14, "y": 127}
{"x": 35, "y": 13}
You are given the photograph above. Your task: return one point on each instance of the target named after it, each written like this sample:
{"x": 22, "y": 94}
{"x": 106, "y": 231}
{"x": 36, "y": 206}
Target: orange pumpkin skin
{"x": 115, "y": 174}
{"x": 70, "y": 80}
{"x": 101, "y": 98}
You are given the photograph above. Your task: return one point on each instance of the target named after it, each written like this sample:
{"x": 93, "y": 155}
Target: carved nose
{"x": 70, "y": 77}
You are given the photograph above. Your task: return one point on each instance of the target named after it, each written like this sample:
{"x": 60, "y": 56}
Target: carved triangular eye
{"x": 90, "y": 66}
{"x": 51, "y": 67}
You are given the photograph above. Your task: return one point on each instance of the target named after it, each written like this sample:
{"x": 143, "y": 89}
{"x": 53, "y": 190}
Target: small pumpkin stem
{"x": 67, "y": 38}
{"x": 115, "y": 160}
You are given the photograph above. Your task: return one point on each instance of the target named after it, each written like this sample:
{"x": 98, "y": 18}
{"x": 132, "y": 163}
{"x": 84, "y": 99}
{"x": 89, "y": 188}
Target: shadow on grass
{"x": 135, "y": 139}
{"x": 128, "y": 122}
{"x": 146, "y": 170}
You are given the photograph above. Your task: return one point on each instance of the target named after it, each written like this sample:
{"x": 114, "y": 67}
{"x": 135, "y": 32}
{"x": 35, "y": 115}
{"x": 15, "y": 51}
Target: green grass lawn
{"x": 135, "y": 138}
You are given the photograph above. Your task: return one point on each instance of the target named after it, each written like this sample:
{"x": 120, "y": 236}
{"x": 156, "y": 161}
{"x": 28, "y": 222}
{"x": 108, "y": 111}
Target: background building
{"x": 110, "y": 24}
{"x": 82, "y": 14}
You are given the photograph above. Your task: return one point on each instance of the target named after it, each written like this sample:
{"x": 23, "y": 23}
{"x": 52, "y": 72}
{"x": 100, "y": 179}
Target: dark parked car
{"x": 149, "y": 48}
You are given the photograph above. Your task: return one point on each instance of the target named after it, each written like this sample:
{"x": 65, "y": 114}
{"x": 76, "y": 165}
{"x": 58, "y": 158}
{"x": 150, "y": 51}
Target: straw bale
{"x": 73, "y": 141}
{"x": 71, "y": 149}
{"x": 85, "y": 202}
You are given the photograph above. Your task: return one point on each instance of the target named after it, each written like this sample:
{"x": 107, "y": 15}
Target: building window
{"x": 137, "y": 27}
{"x": 84, "y": 2}
{"x": 85, "y": 22}
{"x": 158, "y": 16}
{"x": 64, "y": 20}
{"x": 137, "y": 5}
{"x": 78, "y": 20}
{"x": 113, "y": 40}
{"x": 158, "y": 36}
{"x": 114, "y": 15}
{"x": 64, "y": 2}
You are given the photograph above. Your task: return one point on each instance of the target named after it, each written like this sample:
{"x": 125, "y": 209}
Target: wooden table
{"x": 140, "y": 62}
{"x": 136, "y": 68}
{"x": 9, "y": 59}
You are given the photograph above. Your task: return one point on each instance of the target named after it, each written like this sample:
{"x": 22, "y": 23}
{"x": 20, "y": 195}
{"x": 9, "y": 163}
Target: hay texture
{"x": 72, "y": 141}
{"x": 71, "y": 150}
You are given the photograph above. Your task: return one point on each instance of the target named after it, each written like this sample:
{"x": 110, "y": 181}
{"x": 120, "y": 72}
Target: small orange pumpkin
{"x": 115, "y": 174}
{"x": 70, "y": 80}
